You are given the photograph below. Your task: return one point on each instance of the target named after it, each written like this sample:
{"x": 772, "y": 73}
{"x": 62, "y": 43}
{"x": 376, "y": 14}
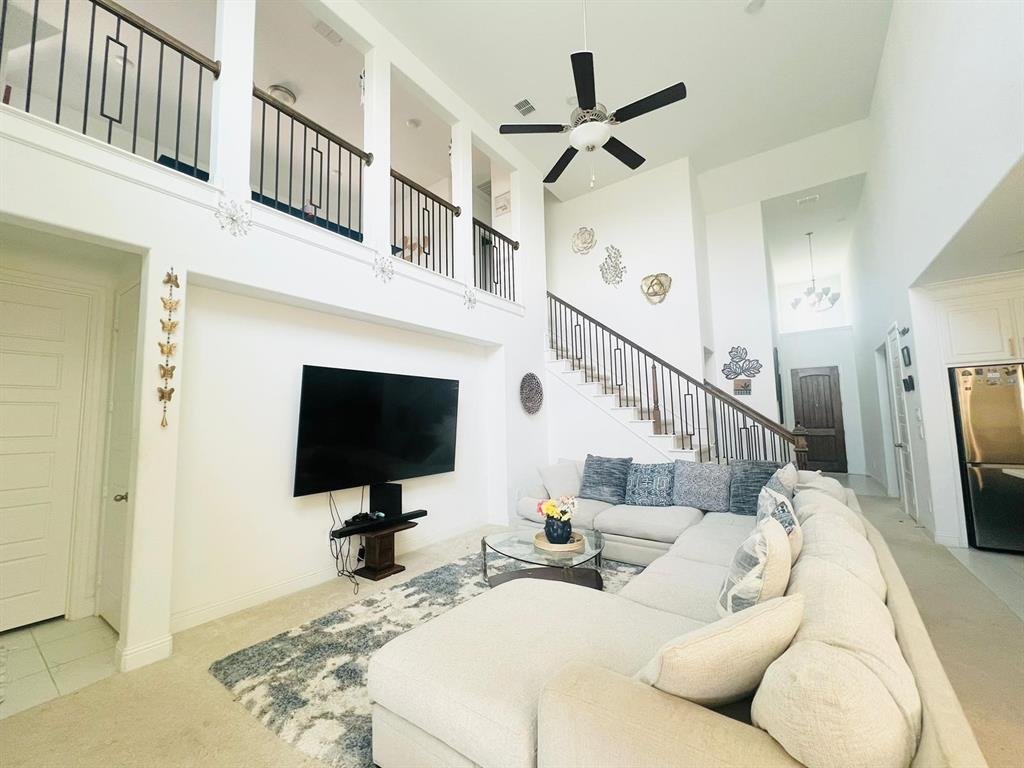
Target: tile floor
{"x": 51, "y": 659}
{"x": 1001, "y": 572}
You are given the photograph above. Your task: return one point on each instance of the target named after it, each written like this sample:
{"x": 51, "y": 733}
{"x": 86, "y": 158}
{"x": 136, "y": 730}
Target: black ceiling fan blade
{"x": 583, "y": 74}
{"x": 650, "y": 103}
{"x": 557, "y": 168}
{"x": 531, "y": 128}
{"x": 620, "y": 151}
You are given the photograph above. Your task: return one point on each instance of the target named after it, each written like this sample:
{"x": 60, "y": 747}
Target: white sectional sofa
{"x": 540, "y": 673}
{"x": 632, "y": 534}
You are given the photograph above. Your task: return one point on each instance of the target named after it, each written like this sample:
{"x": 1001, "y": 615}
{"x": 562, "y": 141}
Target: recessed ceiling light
{"x": 753, "y": 6}
{"x": 413, "y": 122}
{"x": 283, "y": 94}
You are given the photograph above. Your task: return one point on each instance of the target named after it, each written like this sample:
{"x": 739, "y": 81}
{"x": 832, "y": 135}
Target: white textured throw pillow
{"x": 724, "y": 661}
{"x": 773, "y": 504}
{"x": 561, "y": 479}
{"x": 759, "y": 569}
{"x": 789, "y": 476}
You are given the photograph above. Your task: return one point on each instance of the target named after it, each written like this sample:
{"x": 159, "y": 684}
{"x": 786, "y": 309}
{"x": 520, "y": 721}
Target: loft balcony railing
{"x": 422, "y": 225}
{"x": 305, "y": 170}
{"x": 97, "y": 68}
{"x": 494, "y": 266}
{"x": 703, "y": 418}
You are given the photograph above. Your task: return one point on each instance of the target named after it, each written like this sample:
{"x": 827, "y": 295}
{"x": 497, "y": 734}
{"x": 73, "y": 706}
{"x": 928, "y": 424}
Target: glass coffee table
{"x": 553, "y": 566}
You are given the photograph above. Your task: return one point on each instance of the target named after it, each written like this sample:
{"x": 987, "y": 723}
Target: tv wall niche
{"x": 362, "y": 427}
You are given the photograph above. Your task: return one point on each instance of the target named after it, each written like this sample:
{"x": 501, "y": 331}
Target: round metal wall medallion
{"x": 531, "y": 393}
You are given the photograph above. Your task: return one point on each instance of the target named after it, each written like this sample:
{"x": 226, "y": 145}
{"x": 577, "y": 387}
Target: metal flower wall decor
{"x": 612, "y": 268}
{"x": 383, "y": 268}
{"x": 584, "y": 240}
{"x": 469, "y": 298}
{"x": 740, "y": 365}
{"x": 531, "y": 393}
{"x": 234, "y": 217}
{"x": 656, "y": 287}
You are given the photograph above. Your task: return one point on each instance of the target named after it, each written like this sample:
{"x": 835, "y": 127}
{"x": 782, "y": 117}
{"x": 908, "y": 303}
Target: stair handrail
{"x": 798, "y": 439}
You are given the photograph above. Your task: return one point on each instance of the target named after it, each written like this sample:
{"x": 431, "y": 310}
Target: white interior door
{"x": 43, "y": 335}
{"x": 117, "y": 501}
{"x": 901, "y": 423}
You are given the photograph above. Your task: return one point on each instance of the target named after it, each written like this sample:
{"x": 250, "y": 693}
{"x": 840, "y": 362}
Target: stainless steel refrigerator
{"x": 989, "y": 412}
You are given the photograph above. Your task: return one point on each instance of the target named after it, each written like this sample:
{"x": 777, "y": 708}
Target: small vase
{"x": 558, "y": 531}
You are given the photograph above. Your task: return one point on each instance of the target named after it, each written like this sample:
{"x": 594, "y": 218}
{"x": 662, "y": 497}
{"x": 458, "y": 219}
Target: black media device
{"x": 386, "y": 498}
{"x": 364, "y": 428}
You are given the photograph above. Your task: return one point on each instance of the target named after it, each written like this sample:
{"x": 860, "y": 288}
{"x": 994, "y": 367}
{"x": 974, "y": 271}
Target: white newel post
{"x": 462, "y": 195}
{"x": 377, "y": 141}
{"x": 231, "y": 140}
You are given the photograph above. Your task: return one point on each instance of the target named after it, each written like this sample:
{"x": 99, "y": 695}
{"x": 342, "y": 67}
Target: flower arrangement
{"x": 557, "y": 514}
{"x": 560, "y": 509}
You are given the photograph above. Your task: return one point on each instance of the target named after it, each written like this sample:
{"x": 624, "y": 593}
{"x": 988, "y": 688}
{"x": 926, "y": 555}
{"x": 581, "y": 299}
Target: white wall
{"x": 108, "y": 196}
{"x": 832, "y": 346}
{"x": 240, "y": 538}
{"x": 649, "y": 218}
{"x": 741, "y": 300}
{"x": 578, "y": 425}
{"x": 946, "y": 124}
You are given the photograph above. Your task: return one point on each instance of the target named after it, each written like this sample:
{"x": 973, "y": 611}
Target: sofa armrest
{"x": 526, "y": 508}
{"x": 591, "y": 717}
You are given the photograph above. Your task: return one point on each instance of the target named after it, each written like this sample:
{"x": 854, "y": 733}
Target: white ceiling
{"x": 755, "y": 81}
{"x": 991, "y": 241}
{"x": 831, "y": 218}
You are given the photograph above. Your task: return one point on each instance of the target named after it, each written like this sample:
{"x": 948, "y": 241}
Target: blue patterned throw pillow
{"x": 748, "y": 478}
{"x": 704, "y": 485}
{"x": 650, "y": 485}
{"x": 605, "y": 479}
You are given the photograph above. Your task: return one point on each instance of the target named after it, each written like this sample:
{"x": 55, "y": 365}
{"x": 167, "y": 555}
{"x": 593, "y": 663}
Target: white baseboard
{"x": 949, "y": 541}
{"x": 128, "y": 659}
{"x": 193, "y": 617}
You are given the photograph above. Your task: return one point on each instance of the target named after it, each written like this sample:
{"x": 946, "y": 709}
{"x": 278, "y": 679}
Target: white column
{"x": 462, "y": 195}
{"x": 377, "y": 141}
{"x": 231, "y": 141}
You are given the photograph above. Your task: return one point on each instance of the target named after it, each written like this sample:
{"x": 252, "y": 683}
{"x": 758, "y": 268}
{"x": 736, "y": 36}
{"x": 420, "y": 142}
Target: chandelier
{"x": 814, "y": 298}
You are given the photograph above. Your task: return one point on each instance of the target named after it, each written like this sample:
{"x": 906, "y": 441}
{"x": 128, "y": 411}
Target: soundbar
{"x": 376, "y": 525}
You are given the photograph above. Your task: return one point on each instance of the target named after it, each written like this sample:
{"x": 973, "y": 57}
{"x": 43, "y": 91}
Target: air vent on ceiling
{"x": 485, "y": 187}
{"x": 808, "y": 200}
{"x": 525, "y": 107}
{"x": 327, "y": 33}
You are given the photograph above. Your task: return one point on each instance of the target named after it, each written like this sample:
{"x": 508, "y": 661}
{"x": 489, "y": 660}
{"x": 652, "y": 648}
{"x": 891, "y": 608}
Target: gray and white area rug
{"x": 308, "y": 684}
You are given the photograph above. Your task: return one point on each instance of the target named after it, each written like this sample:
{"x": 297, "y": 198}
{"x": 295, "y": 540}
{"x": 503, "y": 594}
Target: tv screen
{"x": 359, "y": 427}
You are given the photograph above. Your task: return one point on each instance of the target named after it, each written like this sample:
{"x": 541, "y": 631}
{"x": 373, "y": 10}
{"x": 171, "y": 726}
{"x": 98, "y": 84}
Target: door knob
{"x": 121, "y": 496}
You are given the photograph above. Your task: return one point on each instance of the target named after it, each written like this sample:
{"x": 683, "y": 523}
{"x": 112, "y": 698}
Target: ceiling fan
{"x": 590, "y": 124}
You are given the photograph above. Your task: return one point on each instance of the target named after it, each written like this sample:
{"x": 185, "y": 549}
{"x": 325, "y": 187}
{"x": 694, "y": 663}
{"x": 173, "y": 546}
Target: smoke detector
{"x": 283, "y": 94}
{"x": 413, "y": 122}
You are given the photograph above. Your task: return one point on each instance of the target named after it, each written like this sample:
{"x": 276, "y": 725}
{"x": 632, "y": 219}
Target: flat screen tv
{"x": 359, "y": 427}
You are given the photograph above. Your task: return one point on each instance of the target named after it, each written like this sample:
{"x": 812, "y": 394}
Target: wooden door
{"x": 818, "y": 407}
{"x": 42, "y": 367}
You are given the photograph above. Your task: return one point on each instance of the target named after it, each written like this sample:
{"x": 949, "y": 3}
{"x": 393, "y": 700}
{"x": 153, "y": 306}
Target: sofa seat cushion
{"x": 472, "y": 676}
{"x": 586, "y": 511}
{"x": 723, "y": 519}
{"x": 652, "y": 523}
{"x": 711, "y": 543}
{"x": 680, "y": 586}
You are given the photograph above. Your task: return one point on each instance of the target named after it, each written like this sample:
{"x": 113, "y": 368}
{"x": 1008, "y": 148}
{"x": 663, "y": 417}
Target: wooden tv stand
{"x": 380, "y": 552}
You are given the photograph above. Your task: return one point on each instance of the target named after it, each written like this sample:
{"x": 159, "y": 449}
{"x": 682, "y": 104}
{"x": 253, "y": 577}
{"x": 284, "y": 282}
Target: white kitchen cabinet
{"x": 983, "y": 329}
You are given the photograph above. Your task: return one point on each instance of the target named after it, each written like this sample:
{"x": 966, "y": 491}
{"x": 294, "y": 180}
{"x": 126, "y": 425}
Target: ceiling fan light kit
{"x": 590, "y": 124}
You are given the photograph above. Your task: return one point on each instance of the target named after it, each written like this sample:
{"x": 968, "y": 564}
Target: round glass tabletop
{"x": 519, "y": 546}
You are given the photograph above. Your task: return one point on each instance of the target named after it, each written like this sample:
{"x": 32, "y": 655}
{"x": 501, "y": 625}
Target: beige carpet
{"x": 174, "y": 713}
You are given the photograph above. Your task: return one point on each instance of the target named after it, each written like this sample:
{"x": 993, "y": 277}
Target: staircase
{"x": 676, "y": 414}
